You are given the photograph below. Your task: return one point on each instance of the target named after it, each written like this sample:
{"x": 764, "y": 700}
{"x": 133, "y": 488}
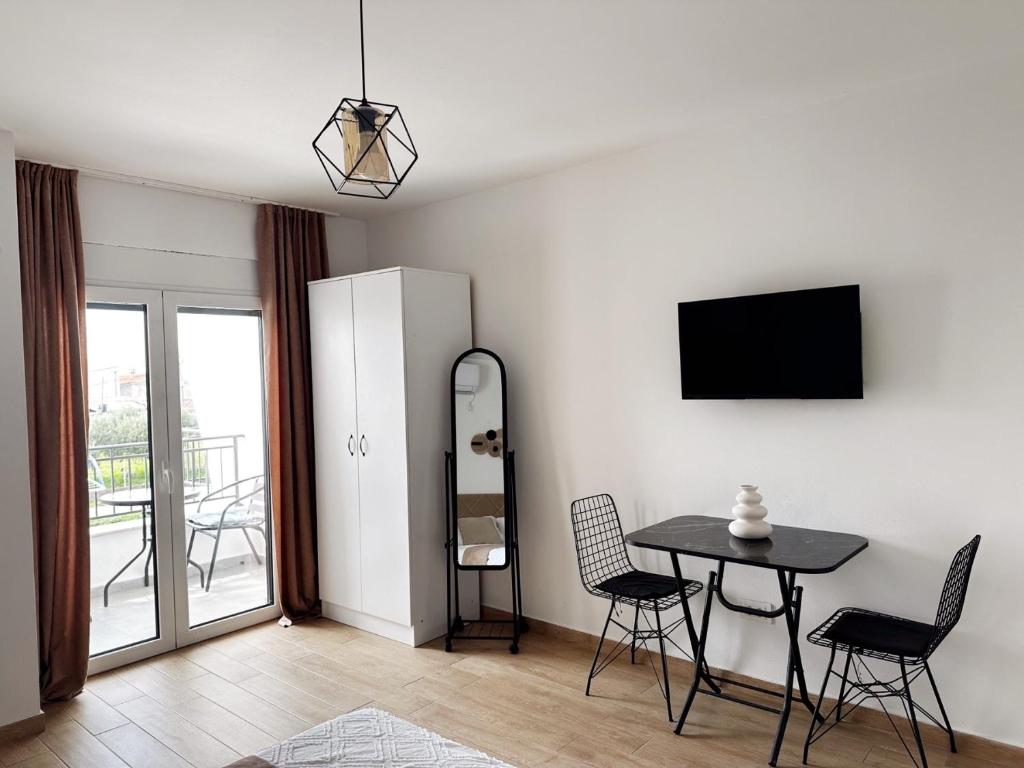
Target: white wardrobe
{"x": 382, "y": 348}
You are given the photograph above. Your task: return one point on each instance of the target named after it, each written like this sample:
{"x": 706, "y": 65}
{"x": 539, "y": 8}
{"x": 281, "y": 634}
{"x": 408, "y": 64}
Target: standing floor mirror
{"x": 480, "y": 494}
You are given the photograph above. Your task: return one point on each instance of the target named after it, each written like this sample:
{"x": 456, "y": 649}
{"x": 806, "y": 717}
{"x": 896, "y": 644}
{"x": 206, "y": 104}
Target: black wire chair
{"x": 607, "y": 572}
{"x": 863, "y": 634}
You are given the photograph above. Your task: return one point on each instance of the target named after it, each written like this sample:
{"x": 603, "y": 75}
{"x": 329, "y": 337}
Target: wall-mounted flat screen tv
{"x": 795, "y": 344}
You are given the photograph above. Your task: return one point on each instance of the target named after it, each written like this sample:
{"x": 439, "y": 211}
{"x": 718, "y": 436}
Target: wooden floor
{"x": 206, "y": 705}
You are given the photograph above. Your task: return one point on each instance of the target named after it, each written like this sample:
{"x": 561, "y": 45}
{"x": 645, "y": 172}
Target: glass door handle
{"x": 351, "y": 449}
{"x": 168, "y": 478}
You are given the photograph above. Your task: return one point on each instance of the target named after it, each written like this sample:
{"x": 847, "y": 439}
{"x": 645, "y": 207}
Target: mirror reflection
{"x": 480, "y": 462}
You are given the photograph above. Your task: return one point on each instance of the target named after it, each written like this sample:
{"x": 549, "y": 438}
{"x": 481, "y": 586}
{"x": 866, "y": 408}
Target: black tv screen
{"x": 796, "y": 344}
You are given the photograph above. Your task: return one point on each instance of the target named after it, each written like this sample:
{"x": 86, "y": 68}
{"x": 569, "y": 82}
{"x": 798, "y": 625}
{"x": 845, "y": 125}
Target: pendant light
{"x": 365, "y": 146}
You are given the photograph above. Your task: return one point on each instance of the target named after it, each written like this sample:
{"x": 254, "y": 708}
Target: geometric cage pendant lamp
{"x": 365, "y": 146}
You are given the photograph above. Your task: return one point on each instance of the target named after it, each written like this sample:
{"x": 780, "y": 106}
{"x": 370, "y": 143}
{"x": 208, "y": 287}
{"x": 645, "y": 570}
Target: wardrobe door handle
{"x": 351, "y": 450}
{"x": 362, "y": 444}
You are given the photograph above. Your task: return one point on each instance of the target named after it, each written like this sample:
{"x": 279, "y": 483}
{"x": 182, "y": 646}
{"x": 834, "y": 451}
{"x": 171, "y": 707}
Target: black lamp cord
{"x": 362, "y": 49}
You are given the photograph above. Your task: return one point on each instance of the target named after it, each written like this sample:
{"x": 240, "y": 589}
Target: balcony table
{"x": 138, "y": 497}
{"x": 788, "y": 551}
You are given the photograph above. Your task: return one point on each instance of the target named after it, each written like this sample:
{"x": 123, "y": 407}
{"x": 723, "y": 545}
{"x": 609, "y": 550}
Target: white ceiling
{"x": 227, "y": 94}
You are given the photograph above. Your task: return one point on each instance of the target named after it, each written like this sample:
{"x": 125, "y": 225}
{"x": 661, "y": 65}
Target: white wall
{"x": 149, "y": 236}
{"x": 19, "y": 680}
{"x": 915, "y": 192}
{"x": 346, "y": 245}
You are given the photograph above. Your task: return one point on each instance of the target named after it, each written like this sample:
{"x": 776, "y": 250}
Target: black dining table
{"x": 789, "y": 551}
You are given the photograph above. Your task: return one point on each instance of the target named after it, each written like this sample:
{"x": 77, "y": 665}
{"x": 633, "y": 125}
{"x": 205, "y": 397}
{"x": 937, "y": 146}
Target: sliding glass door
{"x": 217, "y": 427}
{"x": 131, "y": 595}
{"x": 179, "y": 512}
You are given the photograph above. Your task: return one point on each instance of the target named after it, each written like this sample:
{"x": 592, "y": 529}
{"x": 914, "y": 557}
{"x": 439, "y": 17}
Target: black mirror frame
{"x": 510, "y": 521}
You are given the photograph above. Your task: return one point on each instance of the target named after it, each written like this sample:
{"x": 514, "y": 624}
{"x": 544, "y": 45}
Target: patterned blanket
{"x": 368, "y": 738}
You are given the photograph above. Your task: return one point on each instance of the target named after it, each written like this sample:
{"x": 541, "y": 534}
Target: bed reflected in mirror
{"x": 481, "y": 529}
{"x": 480, "y": 461}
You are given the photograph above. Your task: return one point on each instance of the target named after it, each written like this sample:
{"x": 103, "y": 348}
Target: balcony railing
{"x": 207, "y": 463}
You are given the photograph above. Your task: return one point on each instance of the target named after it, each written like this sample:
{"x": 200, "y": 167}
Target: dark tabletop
{"x": 803, "y": 550}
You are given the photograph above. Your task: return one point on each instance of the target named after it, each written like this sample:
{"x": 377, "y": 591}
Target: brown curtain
{"x": 53, "y": 314}
{"x": 292, "y": 249}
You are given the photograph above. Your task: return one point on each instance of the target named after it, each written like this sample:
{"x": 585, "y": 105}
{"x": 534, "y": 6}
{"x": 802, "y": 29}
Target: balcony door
{"x": 217, "y": 427}
{"x": 132, "y": 594}
{"x": 179, "y": 509}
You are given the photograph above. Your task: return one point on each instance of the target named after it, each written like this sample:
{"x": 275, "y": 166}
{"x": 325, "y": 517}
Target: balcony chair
{"x": 606, "y": 571}
{"x": 94, "y": 475}
{"x": 238, "y": 506}
{"x": 862, "y": 634}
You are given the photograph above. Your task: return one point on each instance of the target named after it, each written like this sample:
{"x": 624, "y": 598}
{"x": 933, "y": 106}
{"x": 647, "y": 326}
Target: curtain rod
{"x": 142, "y": 181}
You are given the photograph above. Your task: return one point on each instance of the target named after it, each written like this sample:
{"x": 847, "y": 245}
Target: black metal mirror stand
{"x": 482, "y": 629}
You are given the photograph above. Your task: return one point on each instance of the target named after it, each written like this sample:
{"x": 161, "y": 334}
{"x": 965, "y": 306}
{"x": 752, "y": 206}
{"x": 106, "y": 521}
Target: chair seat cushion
{"x": 640, "y": 585}
{"x": 876, "y": 632}
{"x": 236, "y": 517}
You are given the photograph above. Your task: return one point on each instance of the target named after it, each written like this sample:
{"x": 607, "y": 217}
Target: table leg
{"x": 146, "y": 545}
{"x": 106, "y": 587}
{"x": 792, "y": 596}
{"x": 698, "y": 659}
{"x": 797, "y": 604}
{"x": 690, "y": 630}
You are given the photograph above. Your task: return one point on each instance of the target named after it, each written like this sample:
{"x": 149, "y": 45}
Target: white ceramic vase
{"x": 750, "y": 515}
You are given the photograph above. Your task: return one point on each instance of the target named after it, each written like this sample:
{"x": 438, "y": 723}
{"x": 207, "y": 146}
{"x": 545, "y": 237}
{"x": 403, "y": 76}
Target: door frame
{"x": 163, "y": 581}
{"x": 185, "y": 634}
{"x": 171, "y": 588}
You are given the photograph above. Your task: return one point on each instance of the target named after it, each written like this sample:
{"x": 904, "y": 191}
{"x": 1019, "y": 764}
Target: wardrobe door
{"x": 383, "y": 478}
{"x": 336, "y": 435}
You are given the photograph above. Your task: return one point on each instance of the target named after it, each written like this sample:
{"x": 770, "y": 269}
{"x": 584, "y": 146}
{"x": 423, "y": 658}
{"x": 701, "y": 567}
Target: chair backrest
{"x": 600, "y": 548}
{"x": 245, "y": 499}
{"x": 258, "y": 506}
{"x": 95, "y": 475}
{"x": 954, "y": 592}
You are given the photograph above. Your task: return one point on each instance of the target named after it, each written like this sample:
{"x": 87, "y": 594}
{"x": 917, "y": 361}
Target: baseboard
{"x": 969, "y": 745}
{"x": 22, "y": 729}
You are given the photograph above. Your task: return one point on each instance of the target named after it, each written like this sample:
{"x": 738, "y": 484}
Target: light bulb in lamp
{"x": 366, "y": 157}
